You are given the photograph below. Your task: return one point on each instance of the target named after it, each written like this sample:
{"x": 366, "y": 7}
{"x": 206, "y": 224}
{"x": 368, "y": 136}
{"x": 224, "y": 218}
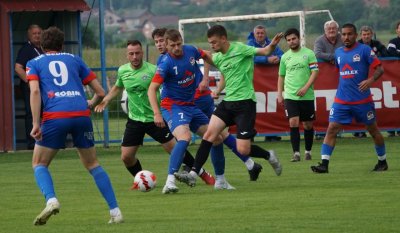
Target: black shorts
{"x": 241, "y": 113}
{"x": 135, "y": 131}
{"x": 304, "y": 109}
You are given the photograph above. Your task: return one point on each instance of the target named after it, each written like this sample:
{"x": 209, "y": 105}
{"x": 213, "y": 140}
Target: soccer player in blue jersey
{"x": 353, "y": 97}
{"x": 177, "y": 73}
{"x": 56, "y": 79}
{"x": 204, "y": 100}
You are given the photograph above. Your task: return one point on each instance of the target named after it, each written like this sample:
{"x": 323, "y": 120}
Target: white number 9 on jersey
{"x": 59, "y": 70}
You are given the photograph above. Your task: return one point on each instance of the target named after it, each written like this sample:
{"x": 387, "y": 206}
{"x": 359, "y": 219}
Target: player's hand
{"x": 302, "y": 91}
{"x": 158, "y": 120}
{"x": 365, "y": 85}
{"x": 214, "y": 95}
{"x": 280, "y": 99}
{"x": 90, "y": 104}
{"x": 101, "y": 106}
{"x": 277, "y": 38}
{"x": 273, "y": 59}
{"x": 36, "y": 132}
{"x": 203, "y": 85}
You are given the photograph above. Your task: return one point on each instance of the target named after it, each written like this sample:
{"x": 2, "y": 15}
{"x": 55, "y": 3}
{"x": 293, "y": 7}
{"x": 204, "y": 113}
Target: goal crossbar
{"x": 300, "y": 14}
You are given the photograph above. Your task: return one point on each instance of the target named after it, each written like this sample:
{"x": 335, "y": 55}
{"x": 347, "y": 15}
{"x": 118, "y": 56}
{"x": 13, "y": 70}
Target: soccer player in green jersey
{"x": 298, "y": 70}
{"x": 236, "y": 63}
{"x": 135, "y": 77}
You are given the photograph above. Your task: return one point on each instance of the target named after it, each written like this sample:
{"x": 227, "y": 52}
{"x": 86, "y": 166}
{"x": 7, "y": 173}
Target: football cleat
{"x": 223, "y": 184}
{"x": 255, "y": 171}
{"x": 320, "y": 168}
{"x": 135, "y": 186}
{"x": 307, "y": 156}
{"x": 295, "y": 157}
{"x": 186, "y": 178}
{"x": 52, "y": 208}
{"x": 116, "y": 219}
{"x": 207, "y": 178}
{"x": 274, "y": 161}
{"x": 380, "y": 166}
{"x": 170, "y": 188}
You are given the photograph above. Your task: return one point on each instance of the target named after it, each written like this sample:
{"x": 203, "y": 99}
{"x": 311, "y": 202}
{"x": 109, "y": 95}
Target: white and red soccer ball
{"x": 144, "y": 181}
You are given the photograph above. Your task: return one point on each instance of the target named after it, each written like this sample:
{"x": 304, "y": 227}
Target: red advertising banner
{"x": 271, "y": 117}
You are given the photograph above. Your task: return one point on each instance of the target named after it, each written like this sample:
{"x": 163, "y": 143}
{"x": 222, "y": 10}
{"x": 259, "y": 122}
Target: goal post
{"x": 300, "y": 14}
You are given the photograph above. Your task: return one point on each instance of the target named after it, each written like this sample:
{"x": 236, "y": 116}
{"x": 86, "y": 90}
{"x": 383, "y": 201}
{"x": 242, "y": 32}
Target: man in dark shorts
{"x": 298, "y": 70}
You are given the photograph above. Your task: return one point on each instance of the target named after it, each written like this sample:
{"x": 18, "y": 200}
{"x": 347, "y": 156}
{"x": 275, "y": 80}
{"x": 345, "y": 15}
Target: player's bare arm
{"x": 203, "y": 85}
{"x": 152, "y": 94}
{"x": 304, "y": 89}
{"x": 280, "y": 88}
{"x": 364, "y": 85}
{"x": 207, "y": 57}
{"x": 36, "y": 103}
{"x": 265, "y": 51}
{"x": 99, "y": 92}
{"x": 106, "y": 100}
{"x": 220, "y": 86}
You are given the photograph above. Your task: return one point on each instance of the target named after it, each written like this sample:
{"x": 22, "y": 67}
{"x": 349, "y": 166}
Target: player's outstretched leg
{"x": 269, "y": 155}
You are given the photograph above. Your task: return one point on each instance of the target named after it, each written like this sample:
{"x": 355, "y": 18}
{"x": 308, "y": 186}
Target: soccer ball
{"x": 144, "y": 181}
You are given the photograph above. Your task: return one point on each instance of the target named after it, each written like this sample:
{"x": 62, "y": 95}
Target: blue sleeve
{"x": 260, "y": 60}
{"x": 84, "y": 70}
{"x": 251, "y": 43}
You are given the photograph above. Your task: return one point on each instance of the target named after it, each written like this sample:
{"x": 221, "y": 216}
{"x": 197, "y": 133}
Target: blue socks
{"x": 380, "y": 150}
{"x": 104, "y": 185}
{"x": 218, "y": 159}
{"x": 326, "y": 149}
{"x": 176, "y": 158}
{"x": 230, "y": 142}
{"x": 44, "y": 181}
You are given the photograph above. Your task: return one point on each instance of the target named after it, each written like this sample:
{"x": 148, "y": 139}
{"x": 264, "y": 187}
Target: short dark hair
{"x": 291, "y": 31}
{"x": 350, "y": 25}
{"x": 397, "y": 24}
{"x": 173, "y": 35}
{"x": 217, "y": 30}
{"x": 158, "y": 32}
{"x": 52, "y": 39}
{"x": 133, "y": 43}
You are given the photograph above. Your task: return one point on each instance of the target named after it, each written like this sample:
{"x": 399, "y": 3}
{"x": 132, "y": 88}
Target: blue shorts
{"x": 184, "y": 115}
{"x": 344, "y": 113}
{"x": 206, "y": 104}
{"x": 55, "y": 132}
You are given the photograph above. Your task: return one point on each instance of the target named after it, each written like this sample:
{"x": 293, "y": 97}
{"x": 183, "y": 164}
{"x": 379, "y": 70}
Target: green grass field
{"x": 348, "y": 199}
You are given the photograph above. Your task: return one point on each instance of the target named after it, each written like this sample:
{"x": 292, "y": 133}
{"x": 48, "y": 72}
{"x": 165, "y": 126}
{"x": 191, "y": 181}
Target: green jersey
{"x": 237, "y": 67}
{"x": 296, "y": 69}
{"x": 136, "y": 84}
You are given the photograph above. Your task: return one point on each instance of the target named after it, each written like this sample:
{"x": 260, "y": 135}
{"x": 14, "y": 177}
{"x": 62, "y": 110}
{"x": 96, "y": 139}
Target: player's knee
{"x": 128, "y": 158}
{"x": 243, "y": 149}
{"x": 212, "y": 137}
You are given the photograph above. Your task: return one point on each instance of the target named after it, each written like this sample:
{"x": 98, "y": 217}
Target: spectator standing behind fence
{"x": 394, "y": 44}
{"x": 394, "y": 51}
{"x": 258, "y": 38}
{"x": 298, "y": 70}
{"x": 28, "y": 51}
{"x": 325, "y": 46}
{"x": 366, "y": 34}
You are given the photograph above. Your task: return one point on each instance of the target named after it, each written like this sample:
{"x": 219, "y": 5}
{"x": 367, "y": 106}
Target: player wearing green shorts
{"x": 298, "y": 70}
